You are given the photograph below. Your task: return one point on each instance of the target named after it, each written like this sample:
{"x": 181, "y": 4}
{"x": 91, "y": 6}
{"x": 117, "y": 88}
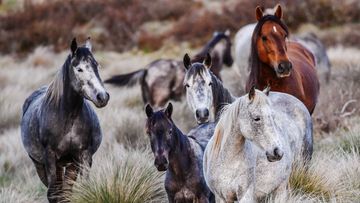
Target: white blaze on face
{"x": 274, "y": 29}
{"x": 87, "y": 81}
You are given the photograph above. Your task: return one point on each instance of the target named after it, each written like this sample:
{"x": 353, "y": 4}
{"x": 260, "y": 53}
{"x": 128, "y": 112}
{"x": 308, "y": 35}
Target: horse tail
{"x": 32, "y": 97}
{"x": 127, "y": 79}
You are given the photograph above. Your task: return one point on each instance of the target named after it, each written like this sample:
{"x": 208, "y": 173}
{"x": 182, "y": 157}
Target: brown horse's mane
{"x": 254, "y": 61}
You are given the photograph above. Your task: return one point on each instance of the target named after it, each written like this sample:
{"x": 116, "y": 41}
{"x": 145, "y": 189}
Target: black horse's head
{"x": 161, "y": 131}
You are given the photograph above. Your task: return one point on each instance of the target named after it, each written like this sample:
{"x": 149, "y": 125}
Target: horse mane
{"x": 227, "y": 124}
{"x": 254, "y": 60}
{"x": 55, "y": 90}
{"x": 221, "y": 95}
{"x": 209, "y": 46}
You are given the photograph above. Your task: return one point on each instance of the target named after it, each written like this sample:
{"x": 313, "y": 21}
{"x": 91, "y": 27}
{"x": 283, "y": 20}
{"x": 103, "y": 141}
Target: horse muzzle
{"x": 284, "y": 69}
{"x": 275, "y": 155}
{"x": 202, "y": 115}
{"x": 102, "y": 99}
{"x": 161, "y": 163}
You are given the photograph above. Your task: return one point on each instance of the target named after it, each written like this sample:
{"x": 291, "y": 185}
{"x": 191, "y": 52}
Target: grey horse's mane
{"x": 55, "y": 90}
{"x": 226, "y": 124}
{"x": 221, "y": 95}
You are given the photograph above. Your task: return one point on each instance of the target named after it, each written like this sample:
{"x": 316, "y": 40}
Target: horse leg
{"x": 71, "y": 173}
{"x": 86, "y": 162}
{"x": 59, "y": 182}
{"x": 282, "y": 188}
{"x": 248, "y": 196}
{"x": 40, "y": 169}
{"x": 51, "y": 174}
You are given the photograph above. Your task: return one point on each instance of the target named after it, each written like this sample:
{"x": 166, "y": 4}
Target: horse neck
{"x": 209, "y": 46}
{"x": 60, "y": 94}
{"x": 179, "y": 156}
{"x": 221, "y": 96}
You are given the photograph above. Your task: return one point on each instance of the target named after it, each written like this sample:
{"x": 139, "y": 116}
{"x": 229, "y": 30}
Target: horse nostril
{"x": 277, "y": 153}
{"x": 99, "y": 97}
{"x": 206, "y": 113}
{"x": 281, "y": 68}
{"x": 197, "y": 113}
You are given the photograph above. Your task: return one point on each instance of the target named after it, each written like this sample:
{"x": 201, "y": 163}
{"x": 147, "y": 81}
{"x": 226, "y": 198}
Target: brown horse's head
{"x": 269, "y": 39}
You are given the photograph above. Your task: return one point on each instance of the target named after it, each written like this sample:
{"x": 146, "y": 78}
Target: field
{"x": 123, "y": 168}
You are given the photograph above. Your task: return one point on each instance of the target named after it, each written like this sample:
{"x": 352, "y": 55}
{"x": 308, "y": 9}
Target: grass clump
{"x": 133, "y": 179}
{"x": 304, "y": 180}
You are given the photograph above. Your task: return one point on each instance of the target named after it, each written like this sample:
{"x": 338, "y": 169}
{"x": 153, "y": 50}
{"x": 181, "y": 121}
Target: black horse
{"x": 180, "y": 156}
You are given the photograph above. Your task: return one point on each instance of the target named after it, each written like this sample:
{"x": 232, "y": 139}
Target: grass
{"x": 131, "y": 179}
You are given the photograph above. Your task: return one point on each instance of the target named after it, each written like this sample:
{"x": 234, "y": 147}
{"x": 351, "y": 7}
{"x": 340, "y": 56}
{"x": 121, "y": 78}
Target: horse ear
{"x": 267, "y": 90}
{"x": 149, "y": 110}
{"x": 252, "y": 93}
{"x": 258, "y": 13}
{"x": 278, "y": 11}
{"x": 207, "y": 60}
{"x": 88, "y": 44}
{"x": 169, "y": 110}
{"x": 73, "y": 46}
{"x": 187, "y": 61}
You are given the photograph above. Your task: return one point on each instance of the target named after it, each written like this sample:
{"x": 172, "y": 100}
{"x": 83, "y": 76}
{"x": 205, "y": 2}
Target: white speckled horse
{"x": 256, "y": 140}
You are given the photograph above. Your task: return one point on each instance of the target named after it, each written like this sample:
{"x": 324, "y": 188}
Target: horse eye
{"x": 264, "y": 38}
{"x": 186, "y": 85}
{"x": 79, "y": 70}
{"x": 257, "y": 119}
{"x": 210, "y": 83}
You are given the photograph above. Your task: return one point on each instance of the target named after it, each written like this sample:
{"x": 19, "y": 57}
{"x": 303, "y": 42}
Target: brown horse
{"x": 283, "y": 65}
{"x": 162, "y": 79}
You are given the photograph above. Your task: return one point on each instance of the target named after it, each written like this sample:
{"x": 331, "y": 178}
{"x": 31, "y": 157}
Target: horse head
{"x": 255, "y": 121}
{"x": 198, "y": 84}
{"x": 269, "y": 39}
{"x": 161, "y": 131}
{"x": 84, "y": 75}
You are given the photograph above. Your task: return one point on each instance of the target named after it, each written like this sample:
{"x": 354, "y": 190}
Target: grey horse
{"x": 59, "y": 129}
{"x": 256, "y": 141}
{"x": 162, "y": 79}
{"x": 205, "y": 93}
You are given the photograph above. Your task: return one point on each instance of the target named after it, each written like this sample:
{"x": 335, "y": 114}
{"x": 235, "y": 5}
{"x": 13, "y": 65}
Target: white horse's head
{"x": 256, "y": 123}
{"x": 198, "y": 84}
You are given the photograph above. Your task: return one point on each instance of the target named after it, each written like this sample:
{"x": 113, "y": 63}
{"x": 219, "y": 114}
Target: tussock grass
{"x": 129, "y": 179}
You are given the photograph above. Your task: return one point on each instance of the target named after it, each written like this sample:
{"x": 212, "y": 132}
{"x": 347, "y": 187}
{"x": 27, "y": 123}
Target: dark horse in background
{"x": 179, "y": 155}
{"x": 59, "y": 129}
{"x": 285, "y": 66}
{"x": 162, "y": 79}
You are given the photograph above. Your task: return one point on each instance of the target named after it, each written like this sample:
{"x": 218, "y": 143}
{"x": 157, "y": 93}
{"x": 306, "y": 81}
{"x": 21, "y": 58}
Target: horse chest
{"x": 72, "y": 137}
{"x": 185, "y": 189}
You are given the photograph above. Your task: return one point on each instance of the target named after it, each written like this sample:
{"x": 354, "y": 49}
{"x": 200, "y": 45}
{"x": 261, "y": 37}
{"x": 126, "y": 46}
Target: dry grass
{"x": 332, "y": 176}
{"x": 127, "y": 176}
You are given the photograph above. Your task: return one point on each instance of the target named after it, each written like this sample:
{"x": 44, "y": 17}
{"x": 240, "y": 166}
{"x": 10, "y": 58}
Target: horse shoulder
{"x": 96, "y": 133}
{"x": 300, "y": 53}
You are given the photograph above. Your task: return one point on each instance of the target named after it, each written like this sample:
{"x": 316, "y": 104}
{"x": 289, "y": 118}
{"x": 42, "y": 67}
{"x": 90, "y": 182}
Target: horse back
{"x": 33, "y": 97}
{"x": 304, "y": 73}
